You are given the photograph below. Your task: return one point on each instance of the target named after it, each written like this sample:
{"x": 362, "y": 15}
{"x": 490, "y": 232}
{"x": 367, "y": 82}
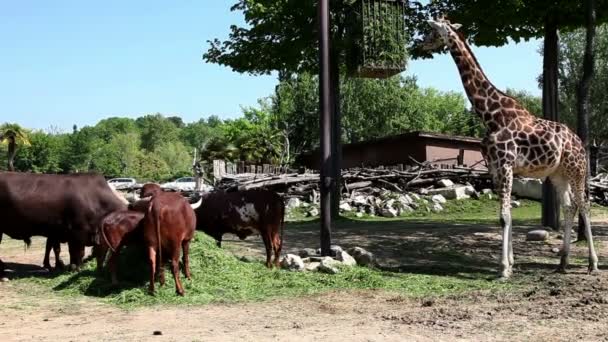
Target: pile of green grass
{"x": 219, "y": 276}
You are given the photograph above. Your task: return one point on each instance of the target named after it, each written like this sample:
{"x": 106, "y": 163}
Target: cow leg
{"x": 112, "y": 265}
{"x": 57, "y": 251}
{"x": 276, "y": 246}
{"x": 218, "y": 240}
{"x": 100, "y": 252}
{"x": 2, "y": 267}
{"x": 267, "y": 243}
{"x": 46, "y": 263}
{"x": 179, "y": 289}
{"x": 186, "y": 258}
{"x": 152, "y": 261}
{"x": 76, "y": 254}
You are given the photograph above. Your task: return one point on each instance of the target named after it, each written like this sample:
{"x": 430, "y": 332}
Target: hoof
{"x": 73, "y": 268}
{"x": 593, "y": 271}
{"x": 180, "y": 293}
{"x": 560, "y": 269}
{"x": 59, "y": 265}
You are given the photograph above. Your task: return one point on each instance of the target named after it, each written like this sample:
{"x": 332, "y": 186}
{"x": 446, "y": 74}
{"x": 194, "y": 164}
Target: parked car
{"x": 121, "y": 183}
{"x": 180, "y": 184}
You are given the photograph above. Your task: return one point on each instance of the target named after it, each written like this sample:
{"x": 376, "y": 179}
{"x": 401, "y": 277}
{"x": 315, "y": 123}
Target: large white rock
{"x": 359, "y": 200}
{"x": 445, "y": 183}
{"x": 313, "y": 212}
{"x": 389, "y": 212}
{"x": 293, "y": 202}
{"x": 292, "y": 262}
{"x": 455, "y": 192}
{"x": 437, "y": 207}
{"x": 346, "y": 207}
{"x": 362, "y": 256}
{"x": 329, "y": 265}
{"x": 438, "y": 199}
{"x": 346, "y": 258}
{"x": 528, "y": 188}
{"x": 537, "y": 235}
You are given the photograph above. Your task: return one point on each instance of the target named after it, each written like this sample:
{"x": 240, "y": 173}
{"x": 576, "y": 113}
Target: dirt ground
{"x": 552, "y": 307}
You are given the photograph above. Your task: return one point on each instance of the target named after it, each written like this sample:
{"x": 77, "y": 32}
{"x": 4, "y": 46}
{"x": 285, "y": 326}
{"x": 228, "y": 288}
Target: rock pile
{"x": 310, "y": 260}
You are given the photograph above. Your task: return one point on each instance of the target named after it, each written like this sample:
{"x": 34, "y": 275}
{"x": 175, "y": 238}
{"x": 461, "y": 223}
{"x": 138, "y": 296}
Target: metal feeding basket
{"x": 377, "y": 38}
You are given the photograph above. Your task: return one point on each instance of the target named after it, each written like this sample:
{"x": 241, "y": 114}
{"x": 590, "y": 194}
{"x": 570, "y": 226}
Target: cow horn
{"x": 197, "y": 204}
{"x": 119, "y": 195}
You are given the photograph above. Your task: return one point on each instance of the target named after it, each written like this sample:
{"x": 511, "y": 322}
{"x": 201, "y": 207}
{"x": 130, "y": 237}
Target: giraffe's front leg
{"x": 505, "y": 181}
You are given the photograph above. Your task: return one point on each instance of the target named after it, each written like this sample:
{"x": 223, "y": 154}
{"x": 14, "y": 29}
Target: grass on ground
{"x": 219, "y": 276}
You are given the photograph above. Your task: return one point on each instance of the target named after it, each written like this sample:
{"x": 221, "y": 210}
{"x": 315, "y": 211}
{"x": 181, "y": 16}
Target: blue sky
{"x": 75, "y": 62}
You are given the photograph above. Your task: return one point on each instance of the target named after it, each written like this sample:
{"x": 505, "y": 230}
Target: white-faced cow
{"x": 244, "y": 213}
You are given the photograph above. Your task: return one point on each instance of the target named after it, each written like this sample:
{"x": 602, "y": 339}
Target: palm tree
{"x": 13, "y": 135}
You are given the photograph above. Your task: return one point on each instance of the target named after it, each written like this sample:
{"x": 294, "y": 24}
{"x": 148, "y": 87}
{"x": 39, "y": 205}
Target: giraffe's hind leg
{"x": 581, "y": 202}
{"x": 563, "y": 189}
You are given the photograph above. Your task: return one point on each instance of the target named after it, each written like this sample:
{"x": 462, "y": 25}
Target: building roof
{"x": 418, "y": 134}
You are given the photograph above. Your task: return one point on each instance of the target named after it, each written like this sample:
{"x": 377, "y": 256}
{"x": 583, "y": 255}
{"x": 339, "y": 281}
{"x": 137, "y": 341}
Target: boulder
{"x": 312, "y": 266}
{"x": 359, "y": 201}
{"x": 470, "y": 190}
{"x": 445, "y": 183}
{"x": 537, "y": 235}
{"x": 346, "y": 258}
{"x": 362, "y": 256}
{"x": 246, "y": 258}
{"x": 415, "y": 197}
{"x": 335, "y": 249}
{"x": 329, "y": 265}
{"x": 389, "y": 212}
{"x": 406, "y": 209}
{"x": 528, "y": 188}
{"x": 344, "y": 206}
{"x": 515, "y": 204}
{"x": 292, "y": 262}
{"x": 486, "y": 191}
{"x": 359, "y": 214}
{"x": 293, "y": 202}
{"x": 313, "y": 212}
{"x": 307, "y": 252}
{"x": 437, "y": 207}
{"x": 438, "y": 199}
{"x": 405, "y": 200}
{"x": 455, "y": 192}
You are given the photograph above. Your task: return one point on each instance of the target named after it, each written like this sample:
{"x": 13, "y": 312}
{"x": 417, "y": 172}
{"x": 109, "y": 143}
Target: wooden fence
{"x": 222, "y": 168}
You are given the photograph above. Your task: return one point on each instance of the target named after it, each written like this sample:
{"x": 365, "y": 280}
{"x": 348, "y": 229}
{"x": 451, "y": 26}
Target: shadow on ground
{"x": 457, "y": 249}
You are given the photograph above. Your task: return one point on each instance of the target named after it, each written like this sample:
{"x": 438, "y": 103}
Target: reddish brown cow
{"x": 149, "y": 190}
{"x": 168, "y": 226}
{"x": 118, "y": 229}
{"x": 244, "y": 213}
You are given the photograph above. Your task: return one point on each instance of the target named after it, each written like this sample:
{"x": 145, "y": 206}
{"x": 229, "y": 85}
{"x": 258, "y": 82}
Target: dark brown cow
{"x": 62, "y": 207}
{"x": 168, "y": 226}
{"x": 118, "y": 229}
{"x": 244, "y": 213}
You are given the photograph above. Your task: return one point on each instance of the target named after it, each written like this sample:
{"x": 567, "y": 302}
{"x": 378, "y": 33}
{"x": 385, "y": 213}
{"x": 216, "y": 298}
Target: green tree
{"x": 534, "y": 104}
{"x": 176, "y": 156}
{"x": 156, "y": 130}
{"x": 13, "y": 136}
{"x": 572, "y": 47}
{"x": 43, "y": 155}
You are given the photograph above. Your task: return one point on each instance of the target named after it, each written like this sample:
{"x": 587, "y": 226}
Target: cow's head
{"x": 150, "y": 190}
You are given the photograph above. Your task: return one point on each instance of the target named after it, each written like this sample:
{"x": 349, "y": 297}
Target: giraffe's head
{"x": 442, "y": 34}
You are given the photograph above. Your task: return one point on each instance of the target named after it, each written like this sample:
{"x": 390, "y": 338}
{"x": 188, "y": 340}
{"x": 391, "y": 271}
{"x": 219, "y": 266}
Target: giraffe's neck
{"x": 478, "y": 88}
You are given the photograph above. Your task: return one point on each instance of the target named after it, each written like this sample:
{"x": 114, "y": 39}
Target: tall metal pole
{"x": 325, "y": 124}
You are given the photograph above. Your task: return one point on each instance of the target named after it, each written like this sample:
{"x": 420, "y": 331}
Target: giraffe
{"x": 518, "y": 143}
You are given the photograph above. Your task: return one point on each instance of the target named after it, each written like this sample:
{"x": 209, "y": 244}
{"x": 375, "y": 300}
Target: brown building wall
{"x": 397, "y": 150}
